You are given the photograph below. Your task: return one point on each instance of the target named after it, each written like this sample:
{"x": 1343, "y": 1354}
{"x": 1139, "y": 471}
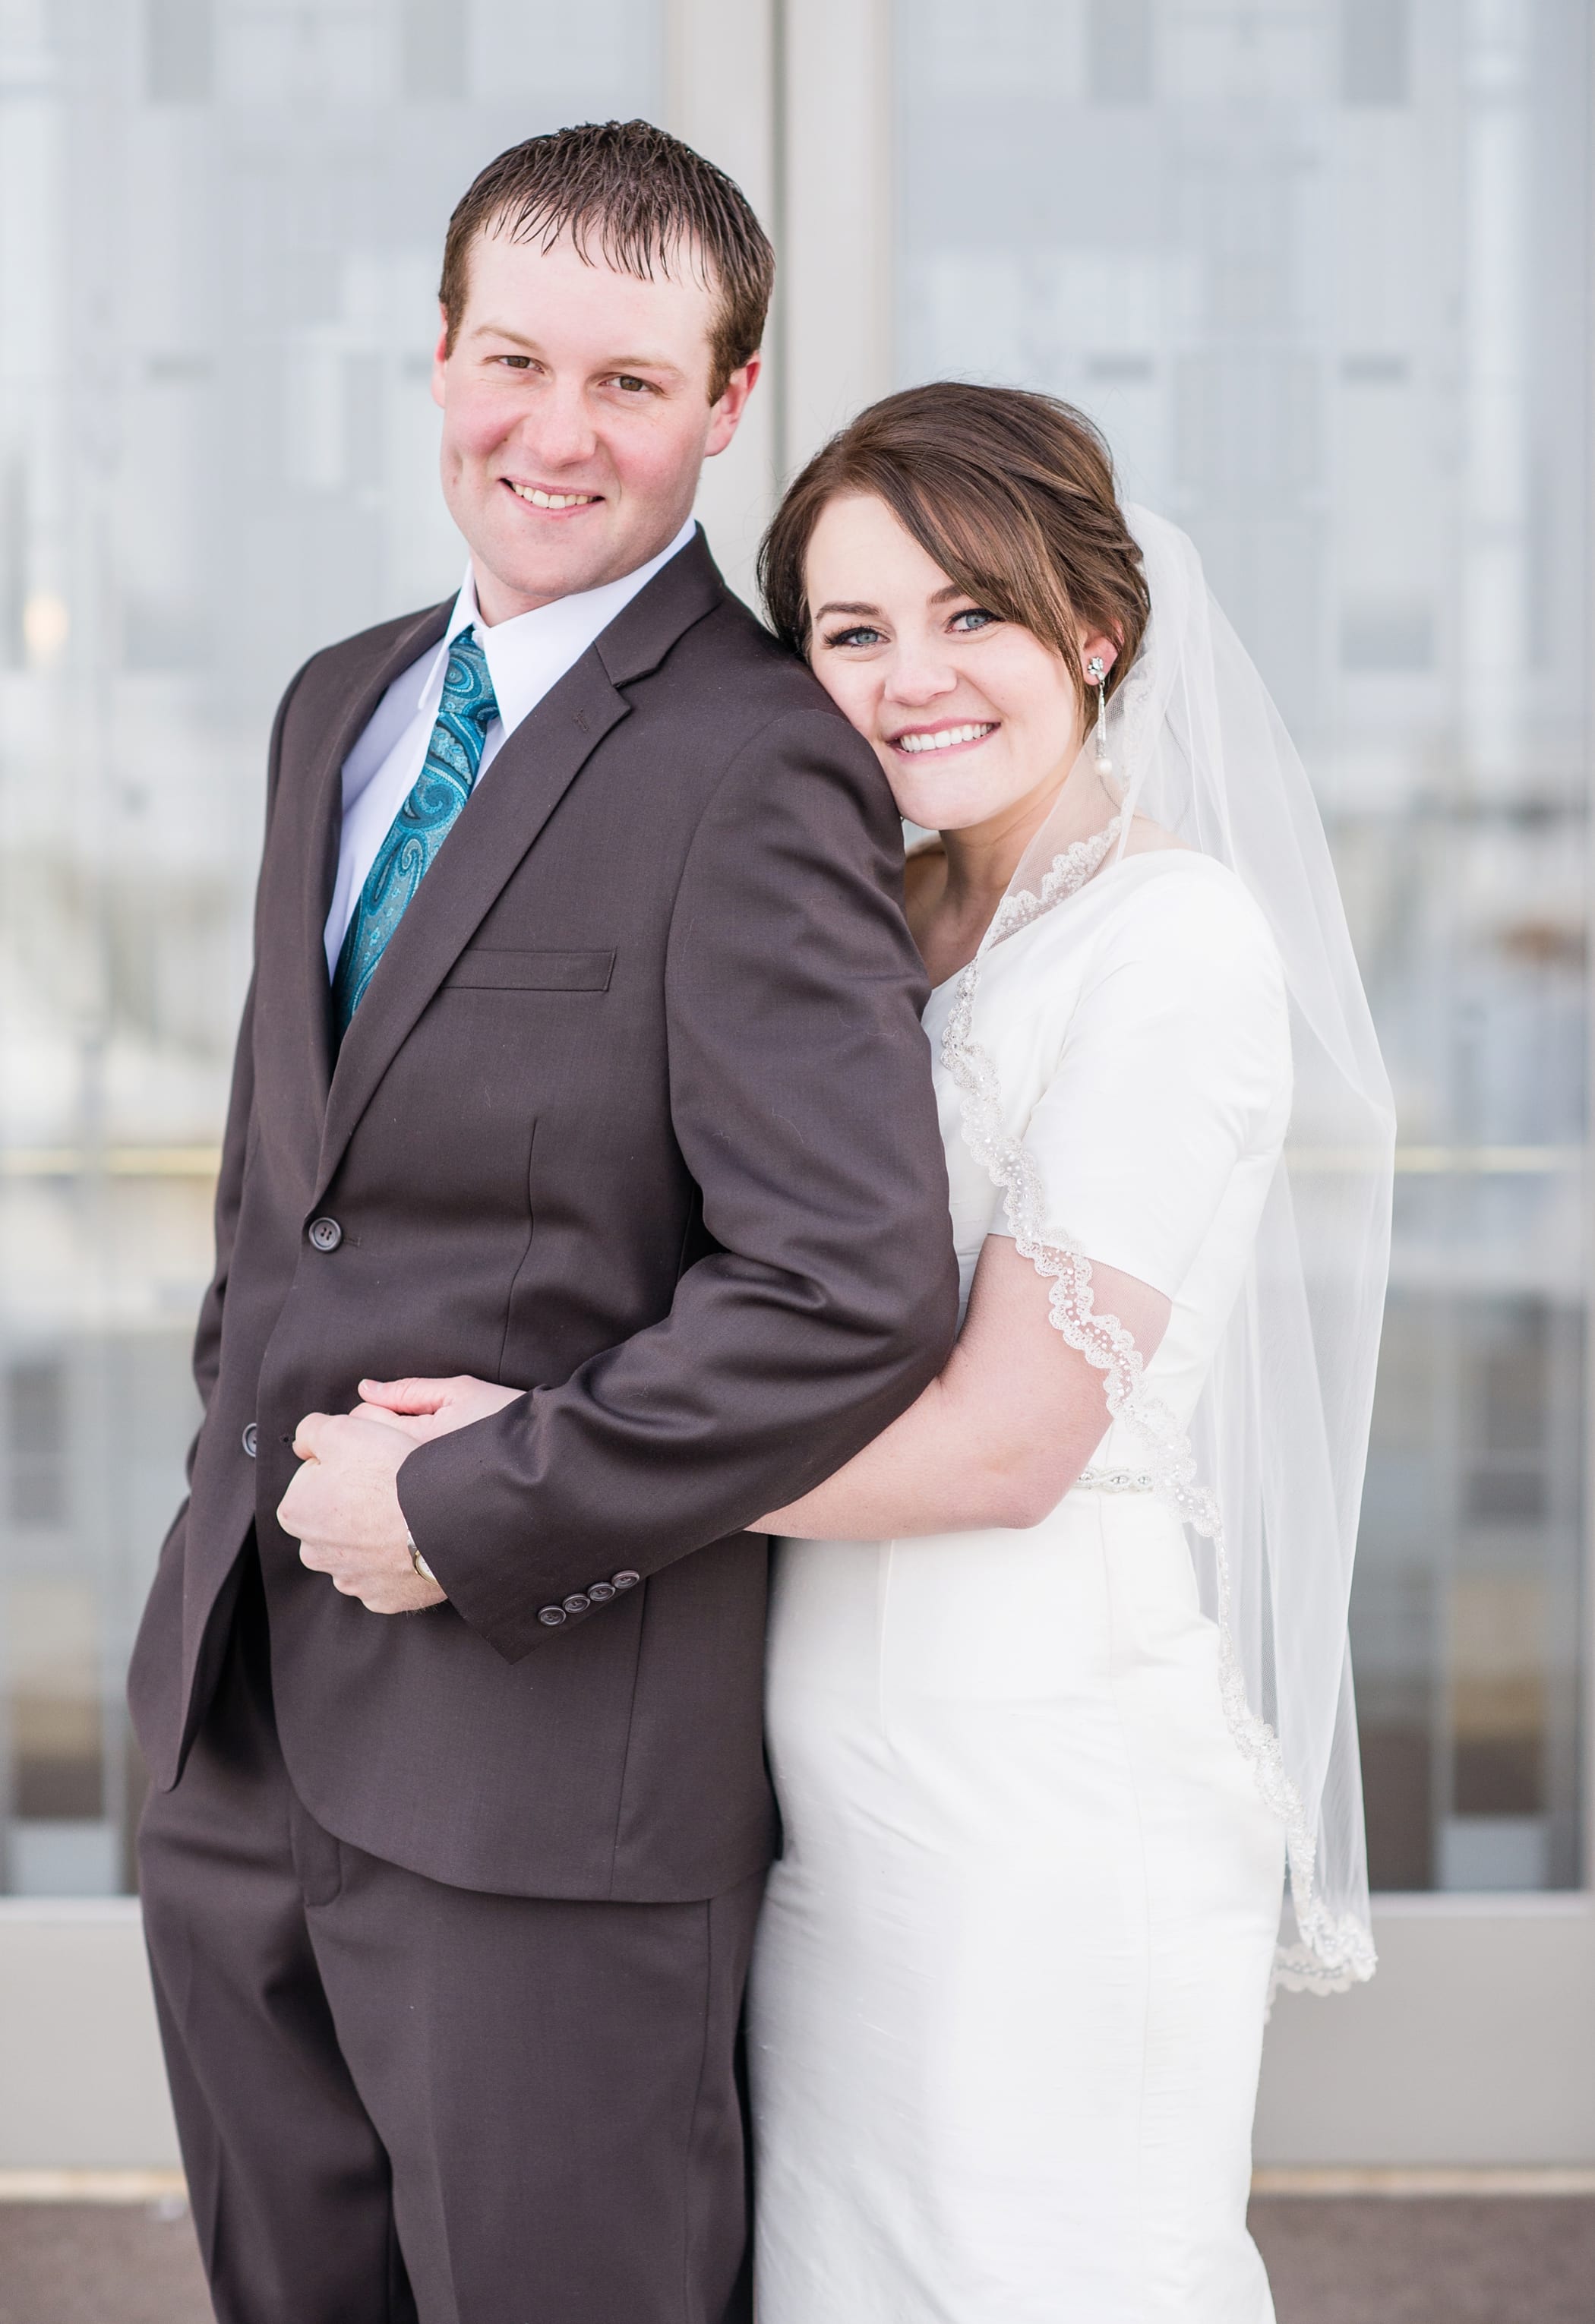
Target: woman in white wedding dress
{"x": 1054, "y": 1692}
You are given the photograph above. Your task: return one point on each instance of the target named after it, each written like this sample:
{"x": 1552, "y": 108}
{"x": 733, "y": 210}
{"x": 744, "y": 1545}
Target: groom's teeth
{"x": 553, "y": 500}
{"x": 945, "y": 740}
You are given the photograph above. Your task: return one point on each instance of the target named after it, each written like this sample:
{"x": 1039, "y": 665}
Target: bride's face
{"x": 972, "y": 716}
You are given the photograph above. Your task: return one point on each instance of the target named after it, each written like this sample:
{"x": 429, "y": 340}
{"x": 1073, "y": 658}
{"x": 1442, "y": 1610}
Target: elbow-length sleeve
{"x": 1175, "y": 1062}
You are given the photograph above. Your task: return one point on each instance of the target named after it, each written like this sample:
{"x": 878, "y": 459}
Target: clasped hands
{"x": 343, "y": 1506}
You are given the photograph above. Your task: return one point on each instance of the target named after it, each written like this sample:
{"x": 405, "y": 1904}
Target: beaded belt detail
{"x": 1114, "y": 1481}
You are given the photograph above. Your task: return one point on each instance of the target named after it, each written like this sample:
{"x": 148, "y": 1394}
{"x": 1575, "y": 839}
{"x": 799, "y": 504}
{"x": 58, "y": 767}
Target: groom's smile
{"x": 549, "y": 496}
{"x": 579, "y": 406}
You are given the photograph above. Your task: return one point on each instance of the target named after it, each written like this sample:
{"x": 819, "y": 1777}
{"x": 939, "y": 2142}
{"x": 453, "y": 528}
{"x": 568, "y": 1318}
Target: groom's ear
{"x": 726, "y": 414}
{"x": 440, "y": 354}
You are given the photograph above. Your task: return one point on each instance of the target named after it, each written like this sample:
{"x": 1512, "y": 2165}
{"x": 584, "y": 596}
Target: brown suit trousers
{"x": 372, "y": 2134}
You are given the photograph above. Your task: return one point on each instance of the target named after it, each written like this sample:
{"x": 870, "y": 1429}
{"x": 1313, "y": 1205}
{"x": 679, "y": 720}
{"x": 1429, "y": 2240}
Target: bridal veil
{"x": 1269, "y": 1478}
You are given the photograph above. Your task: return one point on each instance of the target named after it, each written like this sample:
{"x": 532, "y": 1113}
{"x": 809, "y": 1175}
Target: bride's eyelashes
{"x": 967, "y": 622}
{"x": 860, "y": 634}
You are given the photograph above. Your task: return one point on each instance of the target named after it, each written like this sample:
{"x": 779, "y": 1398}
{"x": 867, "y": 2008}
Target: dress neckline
{"x": 1119, "y": 864}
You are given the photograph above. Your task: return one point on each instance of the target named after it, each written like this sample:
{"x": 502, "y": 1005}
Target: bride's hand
{"x": 425, "y": 1408}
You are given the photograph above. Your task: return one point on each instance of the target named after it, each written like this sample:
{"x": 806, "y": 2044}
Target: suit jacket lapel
{"x": 314, "y": 846}
{"x": 498, "y": 822}
{"x": 496, "y": 825}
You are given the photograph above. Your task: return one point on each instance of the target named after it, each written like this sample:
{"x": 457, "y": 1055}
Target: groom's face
{"x": 577, "y": 416}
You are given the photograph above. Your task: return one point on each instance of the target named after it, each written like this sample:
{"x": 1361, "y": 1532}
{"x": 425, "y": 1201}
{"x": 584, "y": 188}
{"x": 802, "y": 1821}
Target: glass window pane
{"x": 223, "y": 222}
{"x": 1322, "y": 274}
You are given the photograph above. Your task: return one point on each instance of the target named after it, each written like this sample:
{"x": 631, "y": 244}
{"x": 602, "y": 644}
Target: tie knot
{"x": 467, "y": 686}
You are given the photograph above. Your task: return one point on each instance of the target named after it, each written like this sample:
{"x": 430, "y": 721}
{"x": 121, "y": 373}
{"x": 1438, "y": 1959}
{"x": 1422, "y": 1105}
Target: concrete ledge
{"x": 160, "y": 2187}
{"x": 1466, "y": 2049}
{"x": 80, "y": 2068}
{"x": 1465, "y": 2055}
{"x": 1272, "y": 2183}
{"x": 167, "y": 2192}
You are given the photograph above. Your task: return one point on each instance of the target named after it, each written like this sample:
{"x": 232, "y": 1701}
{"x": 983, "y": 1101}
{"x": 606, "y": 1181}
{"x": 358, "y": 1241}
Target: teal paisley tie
{"x": 454, "y": 758}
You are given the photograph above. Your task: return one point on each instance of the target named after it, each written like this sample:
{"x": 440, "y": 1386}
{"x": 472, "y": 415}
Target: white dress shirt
{"x": 526, "y": 658}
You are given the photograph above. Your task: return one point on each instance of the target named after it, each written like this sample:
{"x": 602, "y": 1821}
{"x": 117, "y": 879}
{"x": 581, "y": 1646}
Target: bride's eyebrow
{"x": 836, "y": 606}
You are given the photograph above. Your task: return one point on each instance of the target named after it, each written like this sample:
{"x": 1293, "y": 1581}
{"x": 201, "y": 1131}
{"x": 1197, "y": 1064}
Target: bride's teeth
{"x": 944, "y": 741}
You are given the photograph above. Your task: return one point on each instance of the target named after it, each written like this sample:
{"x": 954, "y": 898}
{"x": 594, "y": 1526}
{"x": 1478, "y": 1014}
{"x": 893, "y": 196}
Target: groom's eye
{"x": 515, "y": 362}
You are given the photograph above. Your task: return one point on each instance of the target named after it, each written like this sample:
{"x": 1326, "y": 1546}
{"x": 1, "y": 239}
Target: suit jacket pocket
{"x": 484, "y": 968}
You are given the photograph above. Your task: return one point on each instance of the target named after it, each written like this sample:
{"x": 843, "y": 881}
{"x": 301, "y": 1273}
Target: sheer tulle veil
{"x": 1269, "y": 1478}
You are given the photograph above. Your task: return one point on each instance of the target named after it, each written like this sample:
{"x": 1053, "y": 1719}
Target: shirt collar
{"x": 532, "y": 653}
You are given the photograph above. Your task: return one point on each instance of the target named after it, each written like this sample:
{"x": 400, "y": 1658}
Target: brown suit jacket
{"x": 635, "y": 1115}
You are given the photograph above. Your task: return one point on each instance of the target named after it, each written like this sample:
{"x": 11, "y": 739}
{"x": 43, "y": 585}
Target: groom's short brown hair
{"x": 646, "y": 200}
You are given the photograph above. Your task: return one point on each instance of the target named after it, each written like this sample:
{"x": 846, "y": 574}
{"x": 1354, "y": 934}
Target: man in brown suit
{"x": 582, "y": 1056}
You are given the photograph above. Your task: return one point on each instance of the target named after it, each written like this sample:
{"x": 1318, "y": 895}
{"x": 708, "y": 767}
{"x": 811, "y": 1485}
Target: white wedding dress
{"x": 1008, "y": 1999}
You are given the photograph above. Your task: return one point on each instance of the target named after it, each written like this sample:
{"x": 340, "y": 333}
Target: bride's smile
{"x": 912, "y": 740}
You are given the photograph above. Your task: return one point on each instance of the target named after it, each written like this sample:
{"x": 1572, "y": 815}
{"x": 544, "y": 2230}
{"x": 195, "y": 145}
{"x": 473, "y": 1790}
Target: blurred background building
{"x": 1321, "y": 270}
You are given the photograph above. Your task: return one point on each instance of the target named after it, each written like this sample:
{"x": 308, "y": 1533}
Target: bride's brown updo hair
{"x": 1010, "y": 492}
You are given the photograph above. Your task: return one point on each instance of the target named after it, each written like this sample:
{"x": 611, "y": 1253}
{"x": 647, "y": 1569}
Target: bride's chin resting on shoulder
{"x": 998, "y": 1438}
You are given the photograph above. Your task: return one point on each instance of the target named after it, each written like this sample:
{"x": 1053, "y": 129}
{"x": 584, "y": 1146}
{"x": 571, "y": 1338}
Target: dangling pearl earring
{"x": 1096, "y": 670}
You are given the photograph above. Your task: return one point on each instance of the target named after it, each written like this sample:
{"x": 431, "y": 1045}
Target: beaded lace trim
{"x": 1069, "y": 872}
{"x": 1335, "y": 1951}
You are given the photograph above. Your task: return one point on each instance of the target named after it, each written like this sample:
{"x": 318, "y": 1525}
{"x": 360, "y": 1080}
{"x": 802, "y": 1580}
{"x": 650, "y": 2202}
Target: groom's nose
{"x": 559, "y": 433}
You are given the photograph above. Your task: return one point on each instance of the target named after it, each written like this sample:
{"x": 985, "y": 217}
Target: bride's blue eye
{"x": 973, "y": 618}
{"x": 861, "y": 636}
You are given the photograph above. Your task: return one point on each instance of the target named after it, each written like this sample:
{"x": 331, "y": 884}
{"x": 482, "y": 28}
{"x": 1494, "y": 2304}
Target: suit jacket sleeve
{"x": 802, "y": 1104}
{"x": 235, "y": 1140}
{"x": 229, "y": 1189}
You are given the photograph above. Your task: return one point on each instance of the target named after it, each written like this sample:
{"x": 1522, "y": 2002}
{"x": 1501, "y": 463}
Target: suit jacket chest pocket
{"x": 489, "y": 968}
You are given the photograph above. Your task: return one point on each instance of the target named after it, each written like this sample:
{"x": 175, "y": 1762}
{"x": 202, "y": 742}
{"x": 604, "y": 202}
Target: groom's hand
{"x": 343, "y": 1510}
{"x": 425, "y": 1408}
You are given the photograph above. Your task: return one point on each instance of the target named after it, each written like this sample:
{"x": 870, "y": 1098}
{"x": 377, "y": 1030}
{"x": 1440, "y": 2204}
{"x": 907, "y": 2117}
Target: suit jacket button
{"x": 577, "y": 1602}
{"x": 325, "y": 1234}
{"x": 252, "y": 1437}
{"x": 601, "y": 1592}
{"x": 552, "y": 1617}
{"x": 626, "y": 1581}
